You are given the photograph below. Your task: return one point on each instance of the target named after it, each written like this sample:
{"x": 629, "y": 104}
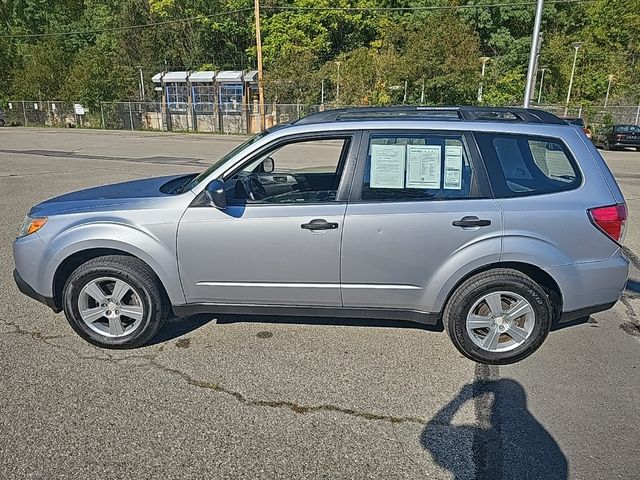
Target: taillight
{"x": 620, "y": 137}
{"x": 611, "y": 220}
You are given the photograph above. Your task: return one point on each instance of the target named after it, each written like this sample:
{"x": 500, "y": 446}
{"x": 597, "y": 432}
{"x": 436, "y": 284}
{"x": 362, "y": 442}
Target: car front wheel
{"x": 498, "y": 317}
{"x": 115, "y": 302}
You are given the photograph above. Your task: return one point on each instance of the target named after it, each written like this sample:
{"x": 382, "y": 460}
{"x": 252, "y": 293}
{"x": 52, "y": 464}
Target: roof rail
{"x": 469, "y": 113}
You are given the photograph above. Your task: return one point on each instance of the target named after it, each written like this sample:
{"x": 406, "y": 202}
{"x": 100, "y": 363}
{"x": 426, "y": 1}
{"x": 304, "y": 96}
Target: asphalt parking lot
{"x": 257, "y": 397}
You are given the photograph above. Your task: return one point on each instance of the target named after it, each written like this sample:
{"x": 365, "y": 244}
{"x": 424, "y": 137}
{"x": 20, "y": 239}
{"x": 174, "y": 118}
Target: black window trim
{"x": 346, "y": 162}
{"x": 578, "y": 182}
{"x": 479, "y": 189}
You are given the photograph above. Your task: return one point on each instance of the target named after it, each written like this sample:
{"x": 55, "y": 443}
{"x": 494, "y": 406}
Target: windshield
{"x": 222, "y": 160}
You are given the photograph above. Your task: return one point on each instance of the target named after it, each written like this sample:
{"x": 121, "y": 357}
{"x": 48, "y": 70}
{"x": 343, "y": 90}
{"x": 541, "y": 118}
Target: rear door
{"x": 419, "y": 214}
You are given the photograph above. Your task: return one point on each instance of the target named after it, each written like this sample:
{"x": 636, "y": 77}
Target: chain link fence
{"x": 224, "y": 118}
{"x": 207, "y": 118}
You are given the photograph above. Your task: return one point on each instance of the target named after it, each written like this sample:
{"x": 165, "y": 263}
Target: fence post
{"x": 102, "y": 115}
{"x": 637, "y": 114}
{"x": 130, "y": 116}
{"x": 24, "y": 113}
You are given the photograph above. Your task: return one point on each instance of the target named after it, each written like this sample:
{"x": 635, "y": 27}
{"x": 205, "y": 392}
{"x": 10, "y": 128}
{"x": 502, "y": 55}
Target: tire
{"x": 507, "y": 285}
{"x": 606, "y": 145}
{"x": 1, "y": 123}
{"x": 142, "y": 298}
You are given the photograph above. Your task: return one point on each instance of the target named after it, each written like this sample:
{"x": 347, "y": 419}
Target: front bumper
{"x": 25, "y": 288}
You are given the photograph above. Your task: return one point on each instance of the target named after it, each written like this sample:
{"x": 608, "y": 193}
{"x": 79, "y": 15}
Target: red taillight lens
{"x": 611, "y": 220}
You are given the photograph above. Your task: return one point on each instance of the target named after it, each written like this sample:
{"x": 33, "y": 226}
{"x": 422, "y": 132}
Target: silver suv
{"x": 499, "y": 223}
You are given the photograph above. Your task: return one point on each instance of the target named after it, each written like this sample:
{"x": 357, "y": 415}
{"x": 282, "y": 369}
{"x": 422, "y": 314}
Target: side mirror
{"x": 268, "y": 165}
{"x": 216, "y": 195}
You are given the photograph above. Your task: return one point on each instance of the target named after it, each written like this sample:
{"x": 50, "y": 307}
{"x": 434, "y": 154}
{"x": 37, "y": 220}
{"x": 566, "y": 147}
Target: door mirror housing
{"x": 216, "y": 195}
{"x": 268, "y": 165}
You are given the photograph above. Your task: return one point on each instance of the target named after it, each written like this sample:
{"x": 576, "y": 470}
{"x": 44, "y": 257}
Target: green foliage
{"x": 369, "y": 55}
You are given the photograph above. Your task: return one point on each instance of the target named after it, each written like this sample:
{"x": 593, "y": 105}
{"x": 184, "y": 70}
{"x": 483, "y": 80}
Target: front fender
{"x": 154, "y": 244}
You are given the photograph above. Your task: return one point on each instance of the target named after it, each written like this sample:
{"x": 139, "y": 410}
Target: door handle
{"x": 319, "y": 224}
{"x": 471, "y": 222}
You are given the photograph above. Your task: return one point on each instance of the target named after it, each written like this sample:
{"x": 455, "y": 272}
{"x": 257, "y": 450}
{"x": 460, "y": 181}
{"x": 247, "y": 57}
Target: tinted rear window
{"x": 520, "y": 165}
{"x": 627, "y": 129}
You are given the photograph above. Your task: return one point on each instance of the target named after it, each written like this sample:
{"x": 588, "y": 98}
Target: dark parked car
{"x": 619, "y": 136}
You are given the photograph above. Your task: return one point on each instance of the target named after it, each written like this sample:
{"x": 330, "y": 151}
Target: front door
{"x": 278, "y": 240}
{"x": 420, "y": 213}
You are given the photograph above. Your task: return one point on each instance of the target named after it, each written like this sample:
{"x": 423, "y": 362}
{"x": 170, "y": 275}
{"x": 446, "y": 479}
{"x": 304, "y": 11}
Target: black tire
{"x": 500, "y": 279}
{"x": 606, "y": 145}
{"x": 2, "y": 123}
{"x": 140, "y": 277}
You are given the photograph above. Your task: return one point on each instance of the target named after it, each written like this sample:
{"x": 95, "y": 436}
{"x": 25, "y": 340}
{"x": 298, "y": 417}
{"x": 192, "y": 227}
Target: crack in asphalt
{"x": 151, "y": 360}
{"x": 487, "y": 439}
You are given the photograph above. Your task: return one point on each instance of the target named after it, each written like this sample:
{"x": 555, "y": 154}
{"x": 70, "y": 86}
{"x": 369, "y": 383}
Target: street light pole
{"x": 577, "y": 46}
{"x": 544, "y": 69}
{"x": 484, "y": 61}
{"x": 337, "y": 84}
{"x": 533, "y": 54}
{"x": 606, "y": 99}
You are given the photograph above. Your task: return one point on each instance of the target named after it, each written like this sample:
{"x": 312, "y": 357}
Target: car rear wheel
{"x": 498, "y": 317}
{"x": 1, "y": 123}
{"x": 115, "y": 302}
{"x": 606, "y": 145}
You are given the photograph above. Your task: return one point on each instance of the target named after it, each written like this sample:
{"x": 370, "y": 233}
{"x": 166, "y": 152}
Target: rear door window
{"x": 420, "y": 166}
{"x": 521, "y": 165}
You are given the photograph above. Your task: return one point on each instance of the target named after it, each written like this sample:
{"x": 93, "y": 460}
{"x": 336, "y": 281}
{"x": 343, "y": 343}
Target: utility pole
{"x": 577, "y": 46}
{"x": 260, "y": 75}
{"x": 606, "y": 99}
{"x": 544, "y": 69}
{"x": 422, "y": 94}
{"x": 404, "y": 99}
{"x": 533, "y": 55}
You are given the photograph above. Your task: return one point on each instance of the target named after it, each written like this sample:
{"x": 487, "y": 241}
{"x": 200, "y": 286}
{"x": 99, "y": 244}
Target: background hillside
{"x": 434, "y": 46}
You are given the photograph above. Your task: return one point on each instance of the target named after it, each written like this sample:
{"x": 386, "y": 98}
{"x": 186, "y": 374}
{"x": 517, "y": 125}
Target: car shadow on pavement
{"x": 507, "y": 441}
{"x": 180, "y": 326}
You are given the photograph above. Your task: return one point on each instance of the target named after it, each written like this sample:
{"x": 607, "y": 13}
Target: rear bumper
{"x": 591, "y": 287}
{"x": 28, "y": 290}
{"x": 626, "y": 144}
{"x": 573, "y": 315}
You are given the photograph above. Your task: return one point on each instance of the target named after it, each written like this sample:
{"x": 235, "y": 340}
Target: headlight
{"x": 31, "y": 225}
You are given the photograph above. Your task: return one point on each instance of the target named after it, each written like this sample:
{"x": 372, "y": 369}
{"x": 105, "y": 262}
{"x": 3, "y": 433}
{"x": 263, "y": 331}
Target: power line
{"x": 130, "y": 27}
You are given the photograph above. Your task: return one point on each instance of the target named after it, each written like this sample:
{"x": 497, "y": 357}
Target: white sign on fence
{"x": 10, "y": 106}
{"x": 78, "y": 108}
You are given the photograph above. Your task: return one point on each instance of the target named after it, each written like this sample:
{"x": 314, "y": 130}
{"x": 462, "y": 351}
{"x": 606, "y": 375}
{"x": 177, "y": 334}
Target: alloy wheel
{"x": 500, "y": 321}
{"x": 111, "y": 307}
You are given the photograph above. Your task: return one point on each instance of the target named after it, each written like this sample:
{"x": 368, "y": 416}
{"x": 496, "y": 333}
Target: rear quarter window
{"x": 521, "y": 165}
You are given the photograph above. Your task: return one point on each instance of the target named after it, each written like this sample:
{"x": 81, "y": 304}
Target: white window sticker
{"x": 387, "y": 166}
{"x": 453, "y": 167}
{"x": 423, "y": 166}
